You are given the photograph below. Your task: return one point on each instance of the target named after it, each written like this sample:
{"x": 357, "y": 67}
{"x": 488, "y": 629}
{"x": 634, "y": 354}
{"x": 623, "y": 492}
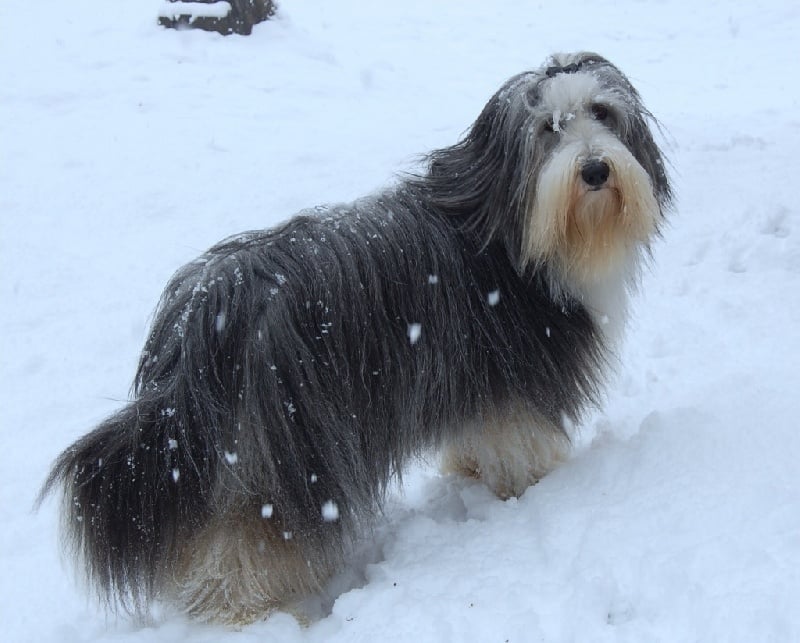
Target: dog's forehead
{"x": 570, "y": 91}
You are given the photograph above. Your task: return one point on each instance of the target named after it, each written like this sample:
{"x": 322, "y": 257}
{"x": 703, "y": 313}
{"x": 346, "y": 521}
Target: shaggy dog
{"x": 290, "y": 373}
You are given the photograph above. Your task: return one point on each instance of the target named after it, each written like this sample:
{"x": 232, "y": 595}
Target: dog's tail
{"x": 206, "y": 437}
{"x": 132, "y": 492}
{"x": 140, "y": 485}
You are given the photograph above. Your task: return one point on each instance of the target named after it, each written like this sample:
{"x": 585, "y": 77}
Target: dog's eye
{"x": 599, "y": 112}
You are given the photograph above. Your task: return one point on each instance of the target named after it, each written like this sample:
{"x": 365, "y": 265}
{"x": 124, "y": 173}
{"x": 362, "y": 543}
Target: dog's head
{"x": 562, "y": 166}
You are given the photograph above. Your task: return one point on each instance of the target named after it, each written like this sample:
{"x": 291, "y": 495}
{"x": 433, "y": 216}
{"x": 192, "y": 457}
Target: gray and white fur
{"x": 290, "y": 373}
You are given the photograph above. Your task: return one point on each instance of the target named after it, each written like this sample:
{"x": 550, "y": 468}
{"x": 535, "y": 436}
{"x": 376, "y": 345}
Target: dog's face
{"x": 598, "y": 182}
{"x": 561, "y": 167}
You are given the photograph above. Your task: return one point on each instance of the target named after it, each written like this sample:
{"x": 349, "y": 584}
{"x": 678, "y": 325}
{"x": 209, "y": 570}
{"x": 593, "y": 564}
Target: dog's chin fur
{"x": 290, "y": 373}
{"x": 588, "y": 233}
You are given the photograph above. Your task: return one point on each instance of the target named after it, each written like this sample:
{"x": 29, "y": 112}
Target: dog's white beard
{"x": 592, "y": 241}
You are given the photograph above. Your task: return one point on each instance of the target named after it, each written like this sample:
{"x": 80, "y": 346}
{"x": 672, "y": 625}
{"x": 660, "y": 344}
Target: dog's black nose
{"x": 595, "y": 173}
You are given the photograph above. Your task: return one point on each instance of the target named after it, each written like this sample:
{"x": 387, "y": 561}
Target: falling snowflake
{"x": 493, "y": 298}
{"x": 330, "y": 511}
{"x": 414, "y": 332}
{"x": 220, "y": 322}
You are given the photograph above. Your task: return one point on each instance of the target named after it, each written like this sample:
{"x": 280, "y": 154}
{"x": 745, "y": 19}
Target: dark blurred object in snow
{"x": 225, "y": 17}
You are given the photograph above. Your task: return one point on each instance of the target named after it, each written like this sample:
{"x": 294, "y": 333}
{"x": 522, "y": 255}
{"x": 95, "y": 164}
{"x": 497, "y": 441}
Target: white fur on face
{"x": 592, "y": 238}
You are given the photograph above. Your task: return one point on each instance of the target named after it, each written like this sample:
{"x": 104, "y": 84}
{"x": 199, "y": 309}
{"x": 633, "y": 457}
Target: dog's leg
{"x": 243, "y": 566}
{"x": 509, "y": 453}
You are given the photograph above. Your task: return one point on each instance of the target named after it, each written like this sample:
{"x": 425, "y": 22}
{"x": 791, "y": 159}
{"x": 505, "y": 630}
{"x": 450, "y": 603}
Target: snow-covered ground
{"x": 126, "y": 149}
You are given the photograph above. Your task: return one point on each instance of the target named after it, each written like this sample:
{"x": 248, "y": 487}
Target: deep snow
{"x": 126, "y": 149}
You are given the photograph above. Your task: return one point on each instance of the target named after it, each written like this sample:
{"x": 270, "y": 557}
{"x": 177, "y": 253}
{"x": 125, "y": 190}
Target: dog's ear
{"x": 482, "y": 182}
{"x": 638, "y": 137}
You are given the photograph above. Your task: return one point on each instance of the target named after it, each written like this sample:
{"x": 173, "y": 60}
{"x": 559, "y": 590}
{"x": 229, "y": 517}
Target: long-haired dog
{"x": 290, "y": 373}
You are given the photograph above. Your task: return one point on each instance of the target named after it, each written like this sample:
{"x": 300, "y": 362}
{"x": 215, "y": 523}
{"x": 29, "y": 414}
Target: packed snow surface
{"x": 127, "y": 149}
{"x": 194, "y": 9}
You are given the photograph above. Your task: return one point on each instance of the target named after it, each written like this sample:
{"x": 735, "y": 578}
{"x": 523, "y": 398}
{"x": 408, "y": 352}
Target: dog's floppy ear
{"x": 483, "y": 181}
{"x": 639, "y": 139}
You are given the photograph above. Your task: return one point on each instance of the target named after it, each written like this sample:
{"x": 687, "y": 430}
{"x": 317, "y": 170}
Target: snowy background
{"x": 127, "y": 149}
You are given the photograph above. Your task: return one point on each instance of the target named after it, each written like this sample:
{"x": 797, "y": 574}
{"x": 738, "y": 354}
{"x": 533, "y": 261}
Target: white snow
{"x": 219, "y": 322}
{"x": 414, "y": 332}
{"x": 194, "y": 9}
{"x": 128, "y": 149}
{"x": 493, "y": 298}
{"x": 330, "y": 511}
{"x": 266, "y": 511}
{"x": 557, "y": 120}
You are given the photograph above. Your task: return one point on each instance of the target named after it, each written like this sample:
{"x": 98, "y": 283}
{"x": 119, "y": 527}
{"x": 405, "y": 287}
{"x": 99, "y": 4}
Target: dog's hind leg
{"x": 243, "y": 566}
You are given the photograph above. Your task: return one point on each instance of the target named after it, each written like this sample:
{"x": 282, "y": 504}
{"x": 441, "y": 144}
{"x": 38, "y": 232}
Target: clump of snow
{"x": 231, "y": 457}
{"x": 219, "y": 9}
{"x": 557, "y": 120}
{"x": 414, "y": 332}
{"x": 493, "y": 298}
{"x": 266, "y": 510}
{"x": 330, "y": 511}
{"x": 219, "y": 322}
